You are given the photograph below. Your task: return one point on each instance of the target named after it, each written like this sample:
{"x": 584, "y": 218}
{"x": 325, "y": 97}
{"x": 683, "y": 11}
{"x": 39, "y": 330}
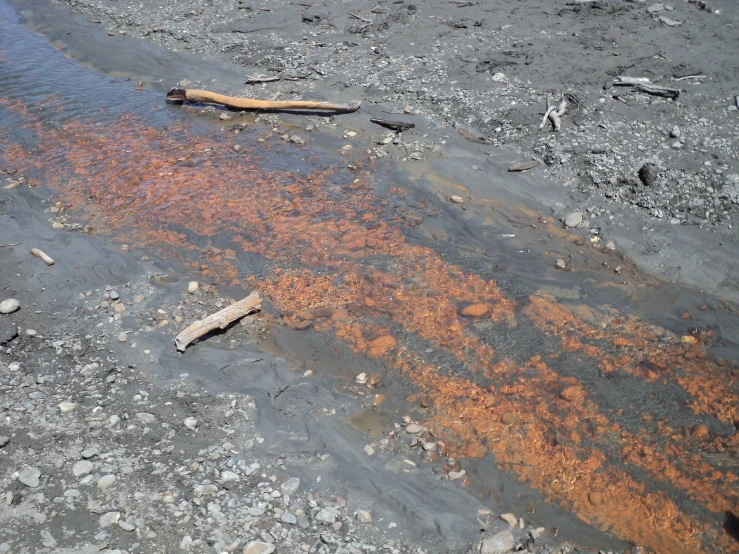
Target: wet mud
{"x": 612, "y": 394}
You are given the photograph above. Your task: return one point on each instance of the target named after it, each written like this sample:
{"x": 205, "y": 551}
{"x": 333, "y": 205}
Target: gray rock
{"x": 648, "y": 174}
{"x": 126, "y": 526}
{"x": 82, "y": 468}
{"x": 327, "y": 515}
{"x": 9, "y": 306}
{"x": 363, "y": 516}
{"x": 675, "y": 132}
{"x": 287, "y": 517}
{"x": 145, "y": 418}
{"x": 89, "y": 453}
{"x": 257, "y": 547}
{"x": 500, "y": 543}
{"x": 191, "y": 423}
{"x": 573, "y": 219}
{"x": 114, "y": 295}
{"x": 109, "y": 519}
{"x": 228, "y": 476}
{"x": 29, "y": 476}
{"x": 290, "y": 487}
{"x": 303, "y": 522}
{"x": 105, "y": 481}
{"x": 4, "y": 440}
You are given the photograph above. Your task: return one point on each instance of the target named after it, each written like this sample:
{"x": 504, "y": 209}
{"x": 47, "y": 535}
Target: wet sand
{"x": 624, "y": 405}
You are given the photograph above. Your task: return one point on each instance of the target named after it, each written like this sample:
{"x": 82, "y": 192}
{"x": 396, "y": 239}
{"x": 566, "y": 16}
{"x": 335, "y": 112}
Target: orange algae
{"x": 166, "y": 186}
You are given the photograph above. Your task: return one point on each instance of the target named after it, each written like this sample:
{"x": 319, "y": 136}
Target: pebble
{"x": 457, "y": 474}
{"x": 361, "y": 378}
{"x": 229, "y": 476}
{"x": 573, "y": 219}
{"x": 675, "y": 132}
{"x": 126, "y": 526}
{"x": 29, "y": 476}
{"x": 500, "y": 543}
{"x": 258, "y": 547}
{"x": 191, "y": 423}
{"x": 109, "y": 519}
{"x": 289, "y": 518}
{"x": 66, "y": 407}
{"x": 327, "y": 516}
{"x": 105, "y": 481}
{"x": 82, "y": 468}
{"x": 414, "y": 429}
{"x": 113, "y": 295}
{"x": 510, "y": 519}
{"x": 9, "y": 306}
{"x": 295, "y": 139}
{"x": 193, "y": 287}
{"x": 499, "y": 77}
{"x": 143, "y": 417}
{"x": 369, "y": 450}
{"x": 4, "y": 440}
{"x": 560, "y": 264}
{"x": 290, "y": 486}
{"x": 456, "y": 199}
{"x": 363, "y": 516}
{"x": 122, "y": 337}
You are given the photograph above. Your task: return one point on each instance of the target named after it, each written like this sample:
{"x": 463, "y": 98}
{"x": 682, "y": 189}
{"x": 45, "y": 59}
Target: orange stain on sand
{"x": 336, "y": 255}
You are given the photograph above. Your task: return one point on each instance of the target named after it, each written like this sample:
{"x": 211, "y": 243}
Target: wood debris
{"x": 523, "y": 166}
{"x": 398, "y": 126}
{"x": 42, "y": 256}
{"x": 554, "y": 114}
{"x": 218, "y": 320}
{"x": 179, "y": 95}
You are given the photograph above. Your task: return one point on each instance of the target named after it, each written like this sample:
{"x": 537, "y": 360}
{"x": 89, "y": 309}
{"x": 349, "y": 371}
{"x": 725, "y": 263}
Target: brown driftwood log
{"x": 218, "y": 320}
{"x": 180, "y": 95}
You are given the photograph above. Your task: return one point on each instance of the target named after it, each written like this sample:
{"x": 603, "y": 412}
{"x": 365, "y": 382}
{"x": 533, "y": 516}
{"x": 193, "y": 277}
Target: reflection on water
{"x": 630, "y": 424}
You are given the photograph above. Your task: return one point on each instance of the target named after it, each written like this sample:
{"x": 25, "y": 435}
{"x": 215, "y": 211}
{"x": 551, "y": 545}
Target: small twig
{"x": 276, "y": 95}
{"x": 256, "y": 79}
{"x": 12, "y": 244}
{"x": 360, "y": 18}
{"x": 689, "y": 77}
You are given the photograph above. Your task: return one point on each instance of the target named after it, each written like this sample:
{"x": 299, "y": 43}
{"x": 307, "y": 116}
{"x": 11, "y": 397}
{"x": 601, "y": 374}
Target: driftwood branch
{"x": 179, "y": 95}
{"x": 398, "y": 126}
{"x": 262, "y": 79}
{"x": 218, "y": 320}
{"x": 554, "y": 114}
{"x": 657, "y": 90}
{"x": 42, "y": 255}
{"x": 523, "y": 166}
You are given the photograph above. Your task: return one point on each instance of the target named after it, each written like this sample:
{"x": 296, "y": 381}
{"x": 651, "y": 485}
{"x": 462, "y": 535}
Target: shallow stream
{"x": 610, "y": 397}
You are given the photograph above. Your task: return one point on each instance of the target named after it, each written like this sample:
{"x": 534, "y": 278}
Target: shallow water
{"x": 612, "y": 394}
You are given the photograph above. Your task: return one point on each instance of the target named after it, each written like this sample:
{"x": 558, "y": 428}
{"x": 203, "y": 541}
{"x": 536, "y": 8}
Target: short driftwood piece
{"x": 262, "y": 79}
{"x": 218, "y": 320}
{"x": 523, "y": 166}
{"x": 398, "y": 126}
{"x": 179, "y": 95}
{"x": 657, "y": 90}
{"x": 42, "y": 255}
{"x": 554, "y": 114}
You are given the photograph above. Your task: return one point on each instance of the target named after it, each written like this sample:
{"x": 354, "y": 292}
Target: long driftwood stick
{"x": 179, "y": 95}
{"x": 218, "y": 320}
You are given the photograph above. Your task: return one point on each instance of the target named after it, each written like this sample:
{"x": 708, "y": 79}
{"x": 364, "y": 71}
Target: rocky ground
{"x": 486, "y": 69}
{"x": 111, "y": 442}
